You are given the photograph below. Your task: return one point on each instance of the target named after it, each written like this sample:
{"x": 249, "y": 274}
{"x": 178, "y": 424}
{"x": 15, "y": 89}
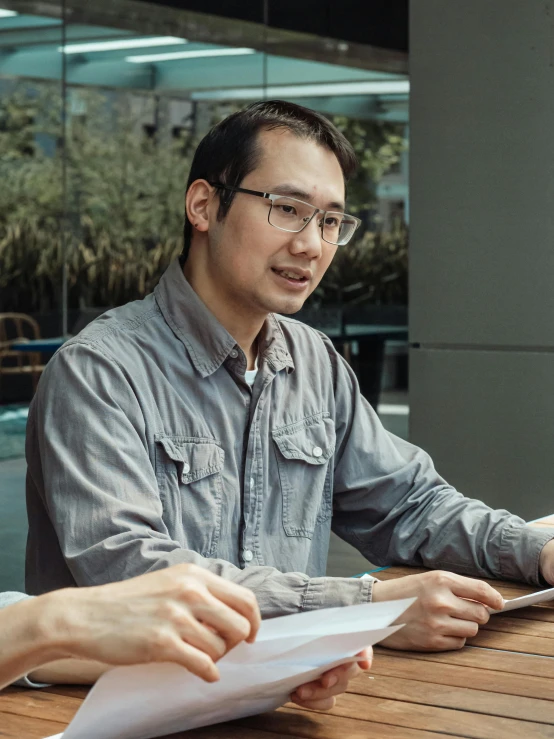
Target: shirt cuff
{"x": 24, "y": 682}
{"x": 330, "y": 592}
{"x": 520, "y": 552}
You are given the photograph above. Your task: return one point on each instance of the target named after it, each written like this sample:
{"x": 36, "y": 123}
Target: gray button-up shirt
{"x": 147, "y": 448}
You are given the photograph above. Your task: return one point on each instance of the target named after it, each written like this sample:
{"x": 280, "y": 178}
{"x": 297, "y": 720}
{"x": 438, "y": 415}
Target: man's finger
{"x": 460, "y": 629}
{"x": 469, "y": 610}
{"x": 365, "y": 658}
{"x": 482, "y": 592}
{"x": 325, "y": 704}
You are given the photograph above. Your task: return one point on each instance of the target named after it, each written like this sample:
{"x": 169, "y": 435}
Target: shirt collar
{"x": 206, "y": 340}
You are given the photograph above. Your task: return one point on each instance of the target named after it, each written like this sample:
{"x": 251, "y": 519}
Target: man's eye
{"x": 331, "y": 222}
{"x": 288, "y": 210}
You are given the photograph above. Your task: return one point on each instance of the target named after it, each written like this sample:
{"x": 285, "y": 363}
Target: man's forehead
{"x": 298, "y": 167}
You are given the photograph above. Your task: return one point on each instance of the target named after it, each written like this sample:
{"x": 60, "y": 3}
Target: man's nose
{"x": 308, "y": 241}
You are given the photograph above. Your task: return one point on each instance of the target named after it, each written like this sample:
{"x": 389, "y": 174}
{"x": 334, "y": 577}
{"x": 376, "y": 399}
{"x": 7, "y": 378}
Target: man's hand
{"x": 319, "y": 695}
{"x": 449, "y": 609}
{"x": 546, "y": 562}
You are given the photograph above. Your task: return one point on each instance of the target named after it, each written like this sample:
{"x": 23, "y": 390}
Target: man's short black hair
{"x": 230, "y": 151}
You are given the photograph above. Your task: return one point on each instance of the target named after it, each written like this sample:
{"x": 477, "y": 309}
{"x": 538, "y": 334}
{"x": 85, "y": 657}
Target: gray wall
{"x": 482, "y": 246}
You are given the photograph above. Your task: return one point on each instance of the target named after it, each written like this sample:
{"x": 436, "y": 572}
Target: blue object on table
{"x": 47, "y": 346}
{"x": 370, "y": 572}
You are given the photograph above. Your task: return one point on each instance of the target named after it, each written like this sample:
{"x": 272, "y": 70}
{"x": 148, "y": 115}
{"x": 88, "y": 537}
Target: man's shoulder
{"x": 118, "y": 326}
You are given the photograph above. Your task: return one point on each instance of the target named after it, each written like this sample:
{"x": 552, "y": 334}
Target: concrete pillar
{"x": 482, "y": 246}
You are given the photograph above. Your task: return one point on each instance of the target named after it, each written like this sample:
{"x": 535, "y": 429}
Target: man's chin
{"x": 287, "y": 307}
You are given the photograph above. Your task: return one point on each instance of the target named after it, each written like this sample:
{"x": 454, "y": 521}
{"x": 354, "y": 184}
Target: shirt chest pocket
{"x": 189, "y": 475}
{"x": 303, "y": 452}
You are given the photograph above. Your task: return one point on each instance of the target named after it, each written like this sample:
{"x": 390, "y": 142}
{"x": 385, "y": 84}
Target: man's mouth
{"x": 289, "y": 275}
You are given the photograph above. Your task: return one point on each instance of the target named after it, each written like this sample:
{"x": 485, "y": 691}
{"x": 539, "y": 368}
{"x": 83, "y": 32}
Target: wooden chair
{"x": 19, "y": 327}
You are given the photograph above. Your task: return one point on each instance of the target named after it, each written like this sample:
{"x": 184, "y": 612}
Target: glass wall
{"x": 101, "y": 107}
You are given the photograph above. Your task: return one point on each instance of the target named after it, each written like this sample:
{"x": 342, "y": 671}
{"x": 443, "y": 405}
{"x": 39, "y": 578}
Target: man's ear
{"x": 199, "y": 196}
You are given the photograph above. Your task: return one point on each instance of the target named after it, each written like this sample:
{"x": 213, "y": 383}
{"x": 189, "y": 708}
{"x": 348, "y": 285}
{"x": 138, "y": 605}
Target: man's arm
{"x": 390, "y": 503}
{"x": 87, "y": 454}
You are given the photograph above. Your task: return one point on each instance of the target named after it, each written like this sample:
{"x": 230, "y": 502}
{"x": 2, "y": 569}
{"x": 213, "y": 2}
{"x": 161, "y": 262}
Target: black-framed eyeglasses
{"x": 290, "y": 214}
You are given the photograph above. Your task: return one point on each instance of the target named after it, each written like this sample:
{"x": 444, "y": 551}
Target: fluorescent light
{"x": 7, "y": 13}
{"x": 130, "y": 43}
{"x": 187, "y": 55}
{"x": 373, "y": 87}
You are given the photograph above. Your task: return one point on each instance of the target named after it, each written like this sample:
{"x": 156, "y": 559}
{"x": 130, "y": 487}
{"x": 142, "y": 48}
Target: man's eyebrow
{"x": 293, "y": 192}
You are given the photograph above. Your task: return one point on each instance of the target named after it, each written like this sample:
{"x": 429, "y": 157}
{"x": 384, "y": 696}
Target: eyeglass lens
{"x": 292, "y": 215}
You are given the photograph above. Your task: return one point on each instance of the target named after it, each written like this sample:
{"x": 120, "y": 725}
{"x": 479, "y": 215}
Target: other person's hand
{"x": 183, "y": 614}
{"x": 449, "y": 609}
{"x": 546, "y": 562}
{"x": 320, "y": 694}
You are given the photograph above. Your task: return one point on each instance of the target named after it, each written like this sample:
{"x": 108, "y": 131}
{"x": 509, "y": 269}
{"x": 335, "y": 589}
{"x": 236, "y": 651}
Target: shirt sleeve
{"x": 88, "y": 456}
{"x": 8, "y": 599}
{"x": 392, "y": 505}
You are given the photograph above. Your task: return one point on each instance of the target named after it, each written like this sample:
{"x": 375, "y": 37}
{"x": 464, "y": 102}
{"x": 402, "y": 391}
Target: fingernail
{"x": 333, "y": 680}
{"x": 305, "y": 693}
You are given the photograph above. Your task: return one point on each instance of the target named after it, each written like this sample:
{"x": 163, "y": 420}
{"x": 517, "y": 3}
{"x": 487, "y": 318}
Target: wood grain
{"x": 514, "y": 643}
{"x": 445, "y": 720}
{"x": 520, "y": 664}
{"x": 459, "y": 698}
{"x": 506, "y": 683}
{"x": 315, "y": 725}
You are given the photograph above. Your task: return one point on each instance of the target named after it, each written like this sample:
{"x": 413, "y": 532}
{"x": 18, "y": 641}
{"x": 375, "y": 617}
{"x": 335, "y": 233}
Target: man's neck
{"x": 242, "y": 325}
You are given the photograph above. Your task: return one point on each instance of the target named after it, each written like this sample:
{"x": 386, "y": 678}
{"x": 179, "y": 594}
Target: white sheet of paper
{"x": 527, "y": 600}
{"x": 145, "y": 701}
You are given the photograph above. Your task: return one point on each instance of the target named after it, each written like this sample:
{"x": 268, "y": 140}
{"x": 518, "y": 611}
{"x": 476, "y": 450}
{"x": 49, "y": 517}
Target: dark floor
{"x": 343, "y": 559}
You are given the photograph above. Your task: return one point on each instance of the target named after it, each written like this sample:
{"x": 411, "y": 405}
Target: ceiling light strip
{"x": 193, "y": 54}
{"x": 130, "y": 43}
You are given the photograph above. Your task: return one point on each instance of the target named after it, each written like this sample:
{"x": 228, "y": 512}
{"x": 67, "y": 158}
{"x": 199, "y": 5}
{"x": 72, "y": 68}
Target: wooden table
{"x": 499, "y": 686}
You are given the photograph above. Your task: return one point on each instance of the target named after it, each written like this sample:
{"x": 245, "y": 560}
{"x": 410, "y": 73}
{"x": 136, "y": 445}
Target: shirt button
{"x": 252, "y": 483}
{"x": 317, "y": 451}
{"x": 248, "y": 556}
{"x": 233, "y": 353}
{"x": 186, "y": 468}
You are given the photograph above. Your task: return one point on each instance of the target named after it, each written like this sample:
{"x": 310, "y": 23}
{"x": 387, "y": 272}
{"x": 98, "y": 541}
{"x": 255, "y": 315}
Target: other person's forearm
{"x": 26, "y": 641}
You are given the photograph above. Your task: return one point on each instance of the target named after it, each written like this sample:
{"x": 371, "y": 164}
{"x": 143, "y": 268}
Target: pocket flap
{"x": 311, "y": 440}
{"x": 195, "y": 457}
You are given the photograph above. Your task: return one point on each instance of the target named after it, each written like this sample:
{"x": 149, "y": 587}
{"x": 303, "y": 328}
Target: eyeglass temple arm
{"x": 240, "y": 189}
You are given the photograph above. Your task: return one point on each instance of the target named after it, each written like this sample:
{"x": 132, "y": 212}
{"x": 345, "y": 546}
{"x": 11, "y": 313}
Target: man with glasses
{"x": 205, "y": 425}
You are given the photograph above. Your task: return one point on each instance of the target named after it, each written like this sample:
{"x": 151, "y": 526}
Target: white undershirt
{"x": 250, "y": 375}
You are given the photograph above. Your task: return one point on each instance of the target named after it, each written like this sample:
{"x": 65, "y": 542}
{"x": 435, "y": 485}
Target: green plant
{"x": 121, "y": 222}
{"x": 373, "y": 269}
{"x": 378, "y": 147}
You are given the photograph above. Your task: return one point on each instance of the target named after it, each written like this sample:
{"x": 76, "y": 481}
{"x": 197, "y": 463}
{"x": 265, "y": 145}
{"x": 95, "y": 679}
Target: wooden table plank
{"x": 535, "y": 613}
{"x": 481, "y": 701}
{"x": 315, "y": 725}
{"x": 524, "y": 626}
{"x": 506, "y": 683}
{"x": 231, "y": 731}
{"x": 13, "y": 726}
{"x": 514, "y": 643}
{"x": 445, "y": 720}
{"x": 520, "y": 664}
{"x": 39, "y": 704}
